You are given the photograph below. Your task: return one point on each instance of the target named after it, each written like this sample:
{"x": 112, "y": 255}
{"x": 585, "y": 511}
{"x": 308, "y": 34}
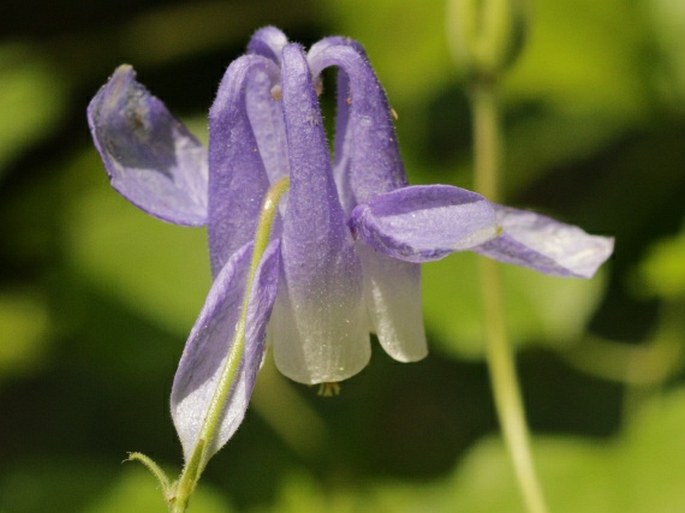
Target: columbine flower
{"x": 344, "y": 258}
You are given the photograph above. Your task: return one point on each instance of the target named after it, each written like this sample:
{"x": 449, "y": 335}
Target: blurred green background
{"x": 96, "y": 298}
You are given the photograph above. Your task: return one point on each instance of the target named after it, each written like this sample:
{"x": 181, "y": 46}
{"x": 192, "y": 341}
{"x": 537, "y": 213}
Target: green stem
{"x": 198, "y": 460}
{"x": 487, "y": 139}
{"x": 500, "y": 357}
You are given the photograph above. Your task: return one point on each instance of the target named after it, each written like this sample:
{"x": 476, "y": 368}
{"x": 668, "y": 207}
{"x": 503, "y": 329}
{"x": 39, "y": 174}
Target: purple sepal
{"x": 211, "y": 338}
{"x": 151, "y": 158}
{"x": 423, "y": 223}
{"x": 548, "y": 246}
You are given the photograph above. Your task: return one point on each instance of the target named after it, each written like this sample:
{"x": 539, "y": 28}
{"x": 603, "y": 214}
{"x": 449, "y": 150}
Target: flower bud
{"x": 486, "y": 36}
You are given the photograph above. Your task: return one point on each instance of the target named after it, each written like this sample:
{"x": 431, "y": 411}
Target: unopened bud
{"x": 486, "y": 36}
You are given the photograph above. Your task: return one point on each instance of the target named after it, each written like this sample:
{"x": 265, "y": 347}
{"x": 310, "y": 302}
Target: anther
{"x": 329, "y": 389}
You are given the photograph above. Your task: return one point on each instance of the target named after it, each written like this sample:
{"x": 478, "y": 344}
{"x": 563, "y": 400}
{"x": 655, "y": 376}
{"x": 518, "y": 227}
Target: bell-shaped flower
{"x": 350, "y": 234}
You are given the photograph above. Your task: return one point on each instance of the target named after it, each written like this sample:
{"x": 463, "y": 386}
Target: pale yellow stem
{"x": 500, "y": 357}
{"x": 195, "y": 465}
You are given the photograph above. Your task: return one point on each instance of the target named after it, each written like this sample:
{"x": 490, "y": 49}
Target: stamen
{"x": 328, "y": 390}
{"x": 393, "y": 113}
{"x": 276, "y": 92}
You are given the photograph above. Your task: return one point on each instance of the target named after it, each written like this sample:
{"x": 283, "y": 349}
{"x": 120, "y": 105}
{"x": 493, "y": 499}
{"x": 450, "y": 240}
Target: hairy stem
{"x": 198, "y": 460}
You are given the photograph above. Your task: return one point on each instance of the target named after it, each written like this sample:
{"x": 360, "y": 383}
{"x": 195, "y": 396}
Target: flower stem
{"x": 500, "y": 357}
{"x": 198, "y": 460}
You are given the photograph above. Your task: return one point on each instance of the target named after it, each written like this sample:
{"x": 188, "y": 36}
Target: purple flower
{"x": 350, "y": 235}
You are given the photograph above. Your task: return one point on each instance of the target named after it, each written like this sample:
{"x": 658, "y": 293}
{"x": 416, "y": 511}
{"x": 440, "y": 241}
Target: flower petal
{"x": 392, "y": 289}
{"x": 541, "y": 243}
{"x": 319, "y": 322}
{"x": 265, "y": 112}
{"x": 424, "y": 223}
{"x": 237, "y": 177}
{"x": 205, "y": 352}
{"x": 151, "y": 158}
{"x": 268, "y": 42}
{"x": 368, "y": 163}
{"x": 367, "y": 156}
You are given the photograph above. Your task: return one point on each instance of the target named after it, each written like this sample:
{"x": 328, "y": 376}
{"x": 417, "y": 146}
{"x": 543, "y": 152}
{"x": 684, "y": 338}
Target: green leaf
{"x": 137, "y": 491}
{"x": 582, "y": 76}
{"x": 157, "y": 269}
{"x": 32, "y": 99}
{"x": 668, "y": 22}
{"x": 582, "y": 53}
{"x": 25, "y": 324}
{"x": 540, "y": 309}
{"x": 662, "y": 272}
{"x": 639, "y": 472}
{"x": 405, "y": 41}
{"x": 581, "y": 81}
